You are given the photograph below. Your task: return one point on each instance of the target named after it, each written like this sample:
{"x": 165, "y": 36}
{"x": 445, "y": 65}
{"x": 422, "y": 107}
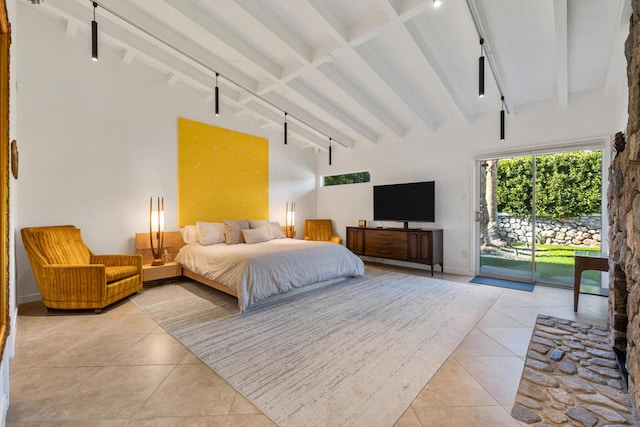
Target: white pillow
{"x": 233, "y": 230}
{"x": 256, "y": 235}
{"x": 210, "y": 233}
{"x": 190, "y": 234}
{"x": 253, "y": 224}
{"x": 276, "y": 230}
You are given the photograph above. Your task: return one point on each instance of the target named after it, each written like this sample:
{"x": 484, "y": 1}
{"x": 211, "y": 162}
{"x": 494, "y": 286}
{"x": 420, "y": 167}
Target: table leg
{"x": 576, "y": 288}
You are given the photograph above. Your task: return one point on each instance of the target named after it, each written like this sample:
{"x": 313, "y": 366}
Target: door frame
{"x": 5, "y": 44}
{"x": 603, "y": 143}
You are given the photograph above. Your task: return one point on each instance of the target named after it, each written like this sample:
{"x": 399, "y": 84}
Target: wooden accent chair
{"x": 320, "y": 230}
{"x": 70, "y": 276}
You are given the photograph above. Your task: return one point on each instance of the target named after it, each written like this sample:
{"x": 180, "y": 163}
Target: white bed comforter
{"x": 261, "y": 270}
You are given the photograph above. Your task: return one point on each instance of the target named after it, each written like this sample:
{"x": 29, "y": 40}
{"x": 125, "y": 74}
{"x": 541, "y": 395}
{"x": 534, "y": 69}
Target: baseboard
{"x": 29, "y": 298}
{"x": 416, "y": 266}
{"x": 13, "y": 333}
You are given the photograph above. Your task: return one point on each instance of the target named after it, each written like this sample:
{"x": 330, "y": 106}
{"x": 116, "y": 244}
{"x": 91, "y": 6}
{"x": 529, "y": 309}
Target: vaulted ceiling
{"x": 361, "y": 71}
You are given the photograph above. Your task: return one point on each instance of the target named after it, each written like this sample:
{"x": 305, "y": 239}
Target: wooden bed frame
{"x": 173, "y": 242}
{"x": 212, "y": 283}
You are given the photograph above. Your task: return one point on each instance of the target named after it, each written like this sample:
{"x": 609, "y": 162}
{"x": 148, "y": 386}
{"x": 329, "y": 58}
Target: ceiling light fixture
{"x": 502, "y": 119}
{"x": 481, "y": 70}
{"x": 330, "y": 150}
{"x": 437, "y": 3}
{"x": 486, "y": 50}
{"x": 206, "y": 66}
{"x": 94, "y": 34}
{"x": 217, "y": 98}
{"x": 285, "y": 128}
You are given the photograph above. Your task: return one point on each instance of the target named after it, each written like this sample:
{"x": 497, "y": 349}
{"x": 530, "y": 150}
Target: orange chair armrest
{"x": 134, "y": 260}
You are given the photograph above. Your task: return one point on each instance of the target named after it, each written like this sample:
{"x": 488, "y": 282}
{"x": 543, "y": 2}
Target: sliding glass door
{"x": 535, "y": 211}
{"x": 505, "y": 250}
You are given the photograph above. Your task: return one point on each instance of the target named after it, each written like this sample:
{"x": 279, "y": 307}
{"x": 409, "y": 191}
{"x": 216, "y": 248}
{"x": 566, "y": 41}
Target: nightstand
{"x": 172, "y": 244}
{"x": 169, "y": 269}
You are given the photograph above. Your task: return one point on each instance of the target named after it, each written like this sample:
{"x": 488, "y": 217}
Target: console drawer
{"x": 385, "y": 244}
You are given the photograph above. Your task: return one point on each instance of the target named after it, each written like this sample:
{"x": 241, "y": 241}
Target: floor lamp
{"x": 290, "y": 227}
{"x": 156, "y": 223}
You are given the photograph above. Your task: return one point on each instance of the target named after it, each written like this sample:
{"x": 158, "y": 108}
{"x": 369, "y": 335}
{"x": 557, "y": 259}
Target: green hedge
{"x": 567, "y": 184}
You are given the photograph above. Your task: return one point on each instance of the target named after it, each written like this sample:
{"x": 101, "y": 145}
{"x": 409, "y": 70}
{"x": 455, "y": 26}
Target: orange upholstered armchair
{"x": 320, "y": 230}
{"x": 70, "y": 276}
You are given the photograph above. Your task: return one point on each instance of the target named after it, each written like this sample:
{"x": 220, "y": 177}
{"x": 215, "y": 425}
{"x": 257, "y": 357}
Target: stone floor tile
{"x": 408, "y": 419}
{"x": 114, "y": 392}
{"x": 190, "y": 359}
{"x": 190, "y": 390}
{"x": 208, "y": 421}
{"x": 516, "y": 340}
{"x": 524, "y": 315}
{"x": 153, "y": 349}
{"x": 466, "y": 416}
{"x": 452, "y": 386}
{"x": 91, "y": 350}
{"x": 494, "y": 319}
{"x": 499, "y": 375}
{"x": 36, "y": 392}
{"x": 241, "y": 405}
{"x": 478, "y": 343}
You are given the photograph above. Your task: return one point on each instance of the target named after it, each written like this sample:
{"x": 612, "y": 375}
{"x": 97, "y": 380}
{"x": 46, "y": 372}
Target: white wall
{"x": 447, "y": 156}
{"x": 98, "y": 139}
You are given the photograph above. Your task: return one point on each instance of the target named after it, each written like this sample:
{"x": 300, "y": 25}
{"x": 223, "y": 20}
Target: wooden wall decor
{"x": 5, "y": 43}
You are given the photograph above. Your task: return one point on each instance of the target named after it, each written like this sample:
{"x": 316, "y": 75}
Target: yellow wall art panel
{"x": 222, "y": 174}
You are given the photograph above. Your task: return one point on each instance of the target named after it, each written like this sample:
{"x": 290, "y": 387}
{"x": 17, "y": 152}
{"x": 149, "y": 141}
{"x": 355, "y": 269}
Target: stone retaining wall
{"x": 582, "y": 231}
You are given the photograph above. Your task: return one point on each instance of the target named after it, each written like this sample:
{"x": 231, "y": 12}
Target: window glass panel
{"x": 346, "y": 178}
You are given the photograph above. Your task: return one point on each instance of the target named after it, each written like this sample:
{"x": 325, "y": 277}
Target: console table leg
{"x": 576, "y": 288}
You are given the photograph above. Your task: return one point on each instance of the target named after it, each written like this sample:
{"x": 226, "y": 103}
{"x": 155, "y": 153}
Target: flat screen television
{"x": 413, "y": 201}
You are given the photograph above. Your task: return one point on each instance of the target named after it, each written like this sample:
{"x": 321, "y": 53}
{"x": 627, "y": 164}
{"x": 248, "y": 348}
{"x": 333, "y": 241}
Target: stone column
{"x": 624, "y": 214}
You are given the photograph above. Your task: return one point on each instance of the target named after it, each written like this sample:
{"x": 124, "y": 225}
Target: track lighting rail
{"x": 205, "y": 66}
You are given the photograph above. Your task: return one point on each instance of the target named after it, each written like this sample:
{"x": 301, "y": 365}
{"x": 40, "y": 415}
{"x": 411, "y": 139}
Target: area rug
{"x": 501, "y": 283}
{"x": 354, "y": 353}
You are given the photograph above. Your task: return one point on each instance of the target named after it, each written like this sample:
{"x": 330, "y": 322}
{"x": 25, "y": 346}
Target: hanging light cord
{"x": 202, "y": 64}
{"x": 487, "y": 51}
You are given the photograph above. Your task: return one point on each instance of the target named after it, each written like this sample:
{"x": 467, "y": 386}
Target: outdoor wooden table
{"x": 586, "y": 260}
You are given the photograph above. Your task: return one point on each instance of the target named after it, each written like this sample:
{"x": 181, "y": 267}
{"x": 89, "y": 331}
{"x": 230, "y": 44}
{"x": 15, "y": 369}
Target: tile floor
{"x": 120, "y": 368}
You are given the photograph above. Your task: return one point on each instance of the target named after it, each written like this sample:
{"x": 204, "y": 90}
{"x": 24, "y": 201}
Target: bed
{"x": 257, "y": 272}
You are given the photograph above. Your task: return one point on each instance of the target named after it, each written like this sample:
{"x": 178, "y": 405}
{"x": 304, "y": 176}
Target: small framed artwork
{"x": 362, "y": 223}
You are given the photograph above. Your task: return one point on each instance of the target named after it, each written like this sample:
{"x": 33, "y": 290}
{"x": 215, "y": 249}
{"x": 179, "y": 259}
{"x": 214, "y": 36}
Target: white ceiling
{"x": 360, "y": 71}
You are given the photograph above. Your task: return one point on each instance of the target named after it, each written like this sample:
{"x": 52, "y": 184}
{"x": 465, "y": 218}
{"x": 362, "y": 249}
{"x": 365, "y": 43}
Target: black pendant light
{"x": 502, "y": 120}
{"x": 217, "y": 97}
{"x": 481, "y": 70}
{"x": 330, "y": 150}
{"x": 285, "y": 128}
{"x": 94, "y": 34}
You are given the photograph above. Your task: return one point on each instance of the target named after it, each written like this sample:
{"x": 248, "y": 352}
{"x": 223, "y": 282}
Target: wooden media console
{"x": 412, "y": 245}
